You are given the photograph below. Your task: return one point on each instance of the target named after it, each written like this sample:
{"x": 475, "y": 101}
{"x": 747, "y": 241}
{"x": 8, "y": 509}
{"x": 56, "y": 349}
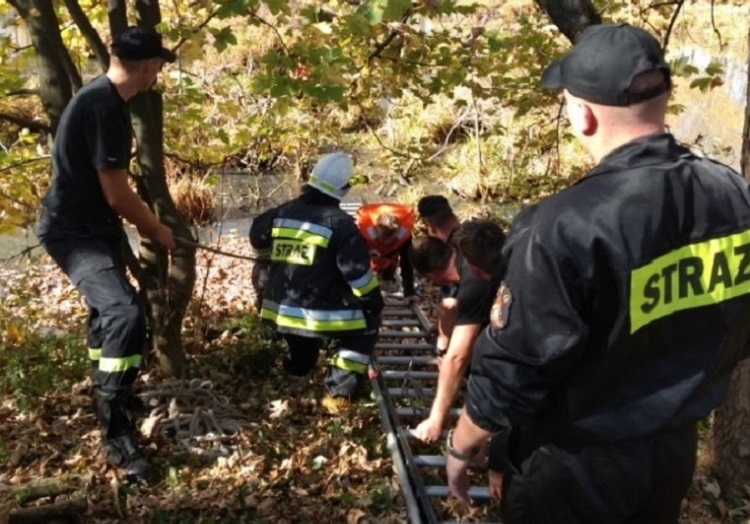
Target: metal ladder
{"x": 404, "y": 386}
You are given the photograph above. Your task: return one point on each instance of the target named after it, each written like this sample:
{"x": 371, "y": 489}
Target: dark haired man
{"x": 481, "y": 242}
{"x": 441, "y": 223}
{"x": 625, "y": 307}
{"x": 80, "y": 227}
{"x": 438, "y": 216}
{"x": 443, "y": 264}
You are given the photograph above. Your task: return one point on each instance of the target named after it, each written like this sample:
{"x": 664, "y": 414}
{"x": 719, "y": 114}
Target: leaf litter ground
{"x": 234, "y": 444}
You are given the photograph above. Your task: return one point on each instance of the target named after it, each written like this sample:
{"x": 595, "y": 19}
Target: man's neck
{"x": 609, "y": 143}
{"x": 122, "y": 83}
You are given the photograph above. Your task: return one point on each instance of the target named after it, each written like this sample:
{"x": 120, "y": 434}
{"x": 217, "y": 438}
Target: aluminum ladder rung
{"x": 475, "y": 492}
{"x": 401, "y": 323}
{"x": 400, "y": 375}
{"x": 411, "y": 392}
{"x": 388, "y": 312}
{"x": 404, "y": 346}
{"x": 403, "y": 334}
{"x": 430, "y": 461}
{"x": 420, "y": 411}
{"x": 434, "y": 461}
{"x": 403, "y": 361}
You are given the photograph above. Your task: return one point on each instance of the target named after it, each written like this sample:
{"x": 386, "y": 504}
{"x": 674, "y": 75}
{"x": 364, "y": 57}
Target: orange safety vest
{"x": 382, "y": 257}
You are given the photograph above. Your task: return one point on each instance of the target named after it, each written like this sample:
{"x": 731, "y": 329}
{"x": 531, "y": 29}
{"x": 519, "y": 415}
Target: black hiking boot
{"x": 117, "y": 412}
{"x": 125, "y": 453}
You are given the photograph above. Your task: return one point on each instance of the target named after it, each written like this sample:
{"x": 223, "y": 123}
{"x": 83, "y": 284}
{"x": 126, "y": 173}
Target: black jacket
{"x": 626, "y": 301}
{"x": 320, "y": 281}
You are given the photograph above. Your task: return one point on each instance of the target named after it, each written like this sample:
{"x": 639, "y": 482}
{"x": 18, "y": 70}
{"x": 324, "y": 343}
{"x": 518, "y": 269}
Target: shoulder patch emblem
{"x": 500, "y": 312}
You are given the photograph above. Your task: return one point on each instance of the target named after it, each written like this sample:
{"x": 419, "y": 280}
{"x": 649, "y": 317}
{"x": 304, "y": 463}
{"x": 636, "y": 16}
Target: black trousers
{"x": 641, "y": 481}
{"x": 117, "y": 316}
{"x": 347, "y": 362}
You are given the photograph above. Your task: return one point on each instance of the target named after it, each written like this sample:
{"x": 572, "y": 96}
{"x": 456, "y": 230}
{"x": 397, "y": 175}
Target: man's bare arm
{"x": 128, "y": 205}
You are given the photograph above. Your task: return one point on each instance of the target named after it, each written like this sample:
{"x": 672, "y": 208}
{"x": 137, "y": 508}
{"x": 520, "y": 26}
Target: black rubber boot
{"x": 117, "y": 421}
{"x": 125, "y": 453}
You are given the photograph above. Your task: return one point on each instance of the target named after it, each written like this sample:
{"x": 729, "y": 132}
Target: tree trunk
{"x": 167, "y": 281}
{"x": 727, "y": 454}
{"x": 728, "y": 451}
{"x": 58, "y": 77}
{"x": 745, "y": 158}
{"x": 168, "y": 284}
{"x": 571, "y": 16}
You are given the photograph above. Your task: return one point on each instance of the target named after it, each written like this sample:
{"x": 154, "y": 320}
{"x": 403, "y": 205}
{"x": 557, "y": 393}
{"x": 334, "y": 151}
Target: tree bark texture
{"x": 58, "y": 76}
{"x": 727, "y": 456}
{"x": 167, "y": 284}
{"x": 745, "y": 158}
{"x": 571, "y": 16}
{"x": 728, "y": 452}
{"x": 166, "y": 279}
{"x": 88, "y": 31}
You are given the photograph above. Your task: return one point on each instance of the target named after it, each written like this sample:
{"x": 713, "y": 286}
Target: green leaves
{"x": 223, "y": 38}
{"x": 377, "y": 11}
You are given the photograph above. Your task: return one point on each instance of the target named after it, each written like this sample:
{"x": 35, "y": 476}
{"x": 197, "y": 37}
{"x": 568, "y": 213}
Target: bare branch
{"x": 672, "y": 22}
{"x": 200, "y": 26}
{"x": 195, "y": 164}
{"x": 23, "y": 92}
{"x": 380, "y": 142}
{"x": 24, "y": 252}
{"x": 379, "y": 48}
{"x": 32, "y": 125}
{"x": 459, "y": 121}
{"x": 273, "y": 28}
{"x": 19, "y": 164}
{"x": 88, "y": 31}
{"x": 713, "y": 24}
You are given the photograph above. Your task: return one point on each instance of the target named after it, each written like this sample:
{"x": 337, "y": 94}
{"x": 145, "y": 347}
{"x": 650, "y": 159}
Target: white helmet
{"x": 331, "y": 175}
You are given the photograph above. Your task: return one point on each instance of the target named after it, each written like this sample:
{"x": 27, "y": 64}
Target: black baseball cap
{"x": 433, "y": 205}
{"x": 604, "y": 61}
{"x": 140, "y": 43}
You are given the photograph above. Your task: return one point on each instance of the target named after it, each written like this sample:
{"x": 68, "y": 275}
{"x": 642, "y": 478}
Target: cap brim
{"x": 167, "y": 55}
{"x": 552, "y": 76}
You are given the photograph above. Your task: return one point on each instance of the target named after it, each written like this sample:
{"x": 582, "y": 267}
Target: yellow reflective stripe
{"x": 95, "y": 353}
{"x": 348, "y": 365}
{"x": 692, "y": 276}
{"x": 115, "y": 365}
{"x": 299, "y": 234}
{"x": 364, "y": 284}
{"x": 316, "y": 181}
{"x": 371, "y": 284}
{"x": 312, "y": 324}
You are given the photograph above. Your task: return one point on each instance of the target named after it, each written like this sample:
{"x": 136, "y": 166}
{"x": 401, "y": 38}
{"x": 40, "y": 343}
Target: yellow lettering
{"x": 692, "y": 276}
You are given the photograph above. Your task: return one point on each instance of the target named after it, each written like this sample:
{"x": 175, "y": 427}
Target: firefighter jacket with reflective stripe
{"x": 383, "y": 256}
{"x": 320, "y": 281}
{"x": 626, "y": 301}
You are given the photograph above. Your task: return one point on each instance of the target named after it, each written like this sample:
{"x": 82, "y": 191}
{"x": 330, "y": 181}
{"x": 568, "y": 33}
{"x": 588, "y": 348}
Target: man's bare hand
{"x": 429, "y": 430}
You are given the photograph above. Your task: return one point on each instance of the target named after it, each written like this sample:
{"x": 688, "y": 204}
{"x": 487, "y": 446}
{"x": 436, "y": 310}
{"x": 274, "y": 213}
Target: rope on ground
{"x": 214, "y": 250}
{"x": 193, "y": 414}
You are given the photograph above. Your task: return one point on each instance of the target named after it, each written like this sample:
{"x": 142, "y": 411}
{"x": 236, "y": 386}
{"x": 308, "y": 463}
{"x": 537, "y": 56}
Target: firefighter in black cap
{"x": 623, "y": 311}
{"x": 80, "y": 227}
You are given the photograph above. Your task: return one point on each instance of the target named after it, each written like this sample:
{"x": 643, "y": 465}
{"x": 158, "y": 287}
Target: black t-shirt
{"x": 474, "y": 295}
{"x": 94, "y": 134}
